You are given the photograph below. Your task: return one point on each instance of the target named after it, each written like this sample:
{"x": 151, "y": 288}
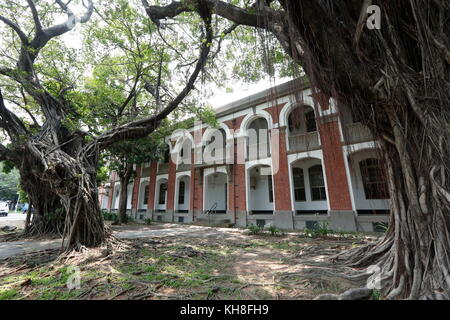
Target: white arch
{"x": 159, "y": 181}
{"x": 178, "y": 179}
{"x": 209, "y": 131}
{"x": 248, "y": 168}
{"x": 208, "y": 172}
{"x": 288, "y": 107}
{"x": 248, "y": 119}
{"x": 307, "y": 157}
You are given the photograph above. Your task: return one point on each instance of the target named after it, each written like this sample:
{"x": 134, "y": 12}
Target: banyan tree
{"x": 58, "y": 161}
{"x": 394, "y": 74}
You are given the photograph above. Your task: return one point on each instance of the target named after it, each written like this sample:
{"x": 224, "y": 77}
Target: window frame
{"x": 321, "y": 188}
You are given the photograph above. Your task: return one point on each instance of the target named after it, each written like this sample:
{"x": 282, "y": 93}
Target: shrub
{"x": 319, "y": 230}
{"x": 254, "y": 229}
{"x": 273, "y": 231}
{"x": 109, "y": 216}
{"x": 148, "y": 221}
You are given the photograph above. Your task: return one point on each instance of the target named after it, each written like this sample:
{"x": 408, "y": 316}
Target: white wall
{"x": 105, "y": 200}
{"x": 116, "y": 196}
{"x": 259, "y": 197}
{"x": 308, "y": 204}
{"x": 361, "y": 203}
{"x": 129, "y": 195}
{"x": 215, "y": 191}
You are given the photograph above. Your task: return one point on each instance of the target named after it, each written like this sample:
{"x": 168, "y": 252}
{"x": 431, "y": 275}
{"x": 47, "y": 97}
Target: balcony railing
{"x": 256, "y": 151}
{"x": 357, "y": 132}
{"x": 304, "y": 142}
{"x": 184, "y": 167}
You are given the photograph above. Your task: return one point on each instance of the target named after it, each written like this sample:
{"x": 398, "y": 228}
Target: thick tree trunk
{"x": 45, "y": 215}
{"x": 62, "y": 186}
{"x": 125, "y": 177}
{"x": 397, "y": 81}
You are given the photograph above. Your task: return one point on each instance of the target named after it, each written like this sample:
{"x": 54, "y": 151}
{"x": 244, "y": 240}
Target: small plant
{"x": 319, "y": 230}
{"x": 254, "y": 229}
{"x": 109, "y": 216}
{"x": 376, "y": 295}
{"x": 322, "y": 229}
{"x": 273, "y": 230}
{"x": 148, "y": 221}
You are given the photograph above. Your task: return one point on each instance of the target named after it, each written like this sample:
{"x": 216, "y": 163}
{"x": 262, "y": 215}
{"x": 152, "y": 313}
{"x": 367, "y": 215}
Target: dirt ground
{"x": 223, "y": 266}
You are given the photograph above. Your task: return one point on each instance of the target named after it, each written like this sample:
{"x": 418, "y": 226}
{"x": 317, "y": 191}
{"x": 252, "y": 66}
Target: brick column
{"x": 192, "y": 188}
{"x": 197, "y": 180}
{"x": 338, "y": 188}
{"x": 282, "y": 190}
{"x": 283, "y": 215}
{"x": 152, "y": 187}
{"x": 171, "y": 185}
{"x": 236, "y": 188}
{"x": 342, "y": 216}
{"x": 137, "y": 182}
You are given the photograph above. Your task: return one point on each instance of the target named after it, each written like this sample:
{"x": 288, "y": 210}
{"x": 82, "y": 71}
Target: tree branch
{"x": 143, "y": 127}
{"x": 23, "y": 37}
{"x": 37, "y": 21}
{"x": 226, "y": 10}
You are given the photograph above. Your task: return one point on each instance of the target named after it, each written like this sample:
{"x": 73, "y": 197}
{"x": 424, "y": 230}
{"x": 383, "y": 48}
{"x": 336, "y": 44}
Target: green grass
{"x": 8, "y": 294}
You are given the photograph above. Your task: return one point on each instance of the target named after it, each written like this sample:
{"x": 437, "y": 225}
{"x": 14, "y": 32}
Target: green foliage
{"x": 255, "y": 229}
{"x": 321, "y": 229}
{"x": 274, "y": 231}
{"x": 376, "y": 295}
{"x": 109, "y": 216}
{"x": 9, "y": 180}
{"x": 148, "y": 221}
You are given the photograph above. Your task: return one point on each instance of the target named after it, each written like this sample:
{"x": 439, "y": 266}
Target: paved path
{"x": 13, "y": 219}
{"x": 14, "y": 248}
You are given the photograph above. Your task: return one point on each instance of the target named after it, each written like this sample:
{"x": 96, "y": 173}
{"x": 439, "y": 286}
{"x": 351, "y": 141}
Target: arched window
{"x": 181, "y": 190}
{"x": 374, "y": 181}
{"x": 146, "y": 194}
{"x": 317, "y": 183}
{"x": 299, "y": 184}
{"x": 295, "y": 121}
{"x": 310, "y": 121}
{"x": 162, "y": 193}
{"x": 302, "y": 120}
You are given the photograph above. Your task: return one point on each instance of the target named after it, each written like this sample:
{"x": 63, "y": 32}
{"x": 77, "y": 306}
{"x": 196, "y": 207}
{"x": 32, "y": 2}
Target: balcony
{"x": 357, "y": 132}
{"x": 257, "y": 151}
{"x": 183, "y": 167}
{"x": 304, "y": 142}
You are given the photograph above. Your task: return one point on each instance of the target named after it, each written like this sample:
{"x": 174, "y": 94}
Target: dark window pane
{"x": 317, "y": 183}
{"x": 162, "y": 193}
{"x": 373, "y": 178}
{"x": 181, "y": 193}
{"x": 146, "y": 194}
{"x": 269, "y": 181}
{"x": 310, "y": 121}
{"x": 299, "y": 184}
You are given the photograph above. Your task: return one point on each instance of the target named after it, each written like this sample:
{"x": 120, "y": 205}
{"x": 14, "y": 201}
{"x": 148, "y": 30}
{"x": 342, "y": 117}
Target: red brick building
{"x": 290, "y": 159}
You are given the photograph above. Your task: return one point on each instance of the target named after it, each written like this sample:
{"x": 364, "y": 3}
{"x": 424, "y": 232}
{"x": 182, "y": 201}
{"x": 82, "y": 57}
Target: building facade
{"x": 308, "y": 162}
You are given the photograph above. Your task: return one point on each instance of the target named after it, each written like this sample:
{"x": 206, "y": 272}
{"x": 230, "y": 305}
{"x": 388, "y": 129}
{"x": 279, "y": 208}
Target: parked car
{"x": 4, "y": 209}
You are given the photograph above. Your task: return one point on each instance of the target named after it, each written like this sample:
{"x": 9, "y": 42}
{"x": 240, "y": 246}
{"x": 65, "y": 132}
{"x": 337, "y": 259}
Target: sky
{"x": 242, "y": 90}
